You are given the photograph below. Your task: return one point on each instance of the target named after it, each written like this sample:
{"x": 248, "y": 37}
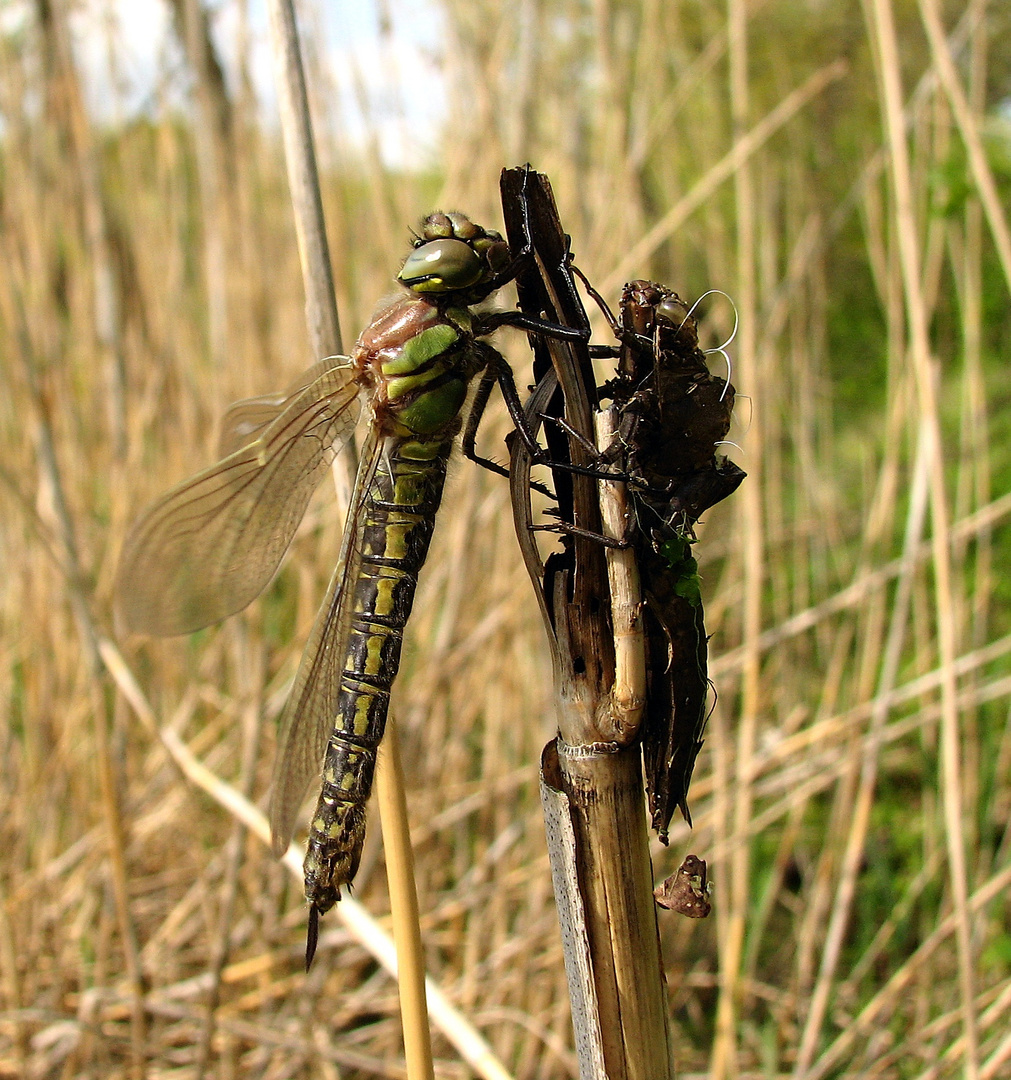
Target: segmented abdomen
{"x": 396, "y": 530}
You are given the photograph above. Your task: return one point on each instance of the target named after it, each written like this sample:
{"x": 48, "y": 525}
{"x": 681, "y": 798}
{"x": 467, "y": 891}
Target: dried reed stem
{"x": 404, "y": 907}
{"x": 880, "y": 14}
{"x": 968, "y": 127}
{"x": 303, "y": 183}
{"x": 733, "y": 922}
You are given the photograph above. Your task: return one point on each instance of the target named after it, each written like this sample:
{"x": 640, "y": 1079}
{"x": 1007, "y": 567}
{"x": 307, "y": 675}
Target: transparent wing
{"x": 308, "y": 716}
{"x": 209, "y": 547}
{"x": 245, "y": 420}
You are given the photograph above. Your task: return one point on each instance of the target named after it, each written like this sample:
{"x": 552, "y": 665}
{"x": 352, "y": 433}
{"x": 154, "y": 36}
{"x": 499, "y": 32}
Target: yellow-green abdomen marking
{"x": 399, "y": 519}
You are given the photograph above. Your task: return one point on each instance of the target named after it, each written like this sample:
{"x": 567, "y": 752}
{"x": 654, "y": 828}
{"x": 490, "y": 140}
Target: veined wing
{"x": 245, "y": 420}
{"x": 308, "y": 716}
{"x": 209, "y": 547}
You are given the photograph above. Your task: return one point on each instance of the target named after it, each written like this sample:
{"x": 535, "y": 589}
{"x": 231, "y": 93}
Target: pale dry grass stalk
{"x": 404, "y": 905}
{"x": 751, "y": 372}
{"x": 303, "y": 183}
{"x": 930, "y": 434}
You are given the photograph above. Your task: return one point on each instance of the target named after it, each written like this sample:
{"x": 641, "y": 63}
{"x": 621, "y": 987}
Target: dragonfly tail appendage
{"x": 336, "y": 838}
{"x": 312, "y": 936}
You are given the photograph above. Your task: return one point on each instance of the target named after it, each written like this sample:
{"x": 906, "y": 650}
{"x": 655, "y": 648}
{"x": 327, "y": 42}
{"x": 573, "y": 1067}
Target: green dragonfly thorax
{"x": 419, "y": 357}
{"x": 418, "y": 351}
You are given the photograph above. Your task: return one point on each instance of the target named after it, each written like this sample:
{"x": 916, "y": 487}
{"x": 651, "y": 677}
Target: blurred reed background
{"x": 843, "y": 171}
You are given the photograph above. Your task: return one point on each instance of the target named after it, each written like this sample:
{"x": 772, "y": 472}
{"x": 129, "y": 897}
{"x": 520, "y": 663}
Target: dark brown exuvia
{"x": 673, "y": 415}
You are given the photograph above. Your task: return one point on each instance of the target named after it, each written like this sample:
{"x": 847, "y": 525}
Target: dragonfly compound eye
{"x": 442, "y": 266}
{"x": 675, "y": 311}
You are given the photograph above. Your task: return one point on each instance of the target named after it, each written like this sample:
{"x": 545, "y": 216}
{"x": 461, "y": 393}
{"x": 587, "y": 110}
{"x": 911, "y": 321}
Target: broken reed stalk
{"x": 303, "y": 182}
{"x": 609, "y": 926}
{"x": 325, "y": 338}
{"x": 885, "y": 42}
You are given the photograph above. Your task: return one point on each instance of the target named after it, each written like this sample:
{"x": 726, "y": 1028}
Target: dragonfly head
{"x": 453, "y": 255}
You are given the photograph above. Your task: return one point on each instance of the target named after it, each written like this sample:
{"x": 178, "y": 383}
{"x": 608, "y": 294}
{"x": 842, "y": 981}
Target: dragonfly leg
{"x": 521, "y": 321}
{"x": 476, "y": 413}
{"x": 574, "y": 530}
{"x": 497, "y": 369}
{"x": 481, "y": 396}
{"x": 569, "y": 430}
{"x": 601, "y": 457}
{"x": 598, "y": 300}
{"x": 626, "y": 337}
{"x": 604, "y": 352}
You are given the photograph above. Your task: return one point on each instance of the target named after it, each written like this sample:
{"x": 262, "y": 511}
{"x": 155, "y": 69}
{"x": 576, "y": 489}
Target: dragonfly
{"x": 211, "y": 545}
{"x": 672, "y": 415}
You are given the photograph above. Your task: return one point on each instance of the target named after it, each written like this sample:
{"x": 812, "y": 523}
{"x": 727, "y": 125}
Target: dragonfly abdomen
{"x": 396, "y": 530}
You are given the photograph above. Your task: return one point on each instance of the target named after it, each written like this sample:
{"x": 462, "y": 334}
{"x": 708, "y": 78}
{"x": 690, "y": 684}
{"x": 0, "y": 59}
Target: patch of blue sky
{"x": 380, "y": 58}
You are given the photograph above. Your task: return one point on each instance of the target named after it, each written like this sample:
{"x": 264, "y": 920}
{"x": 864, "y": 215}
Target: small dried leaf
{"x": 686, "y": 891}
